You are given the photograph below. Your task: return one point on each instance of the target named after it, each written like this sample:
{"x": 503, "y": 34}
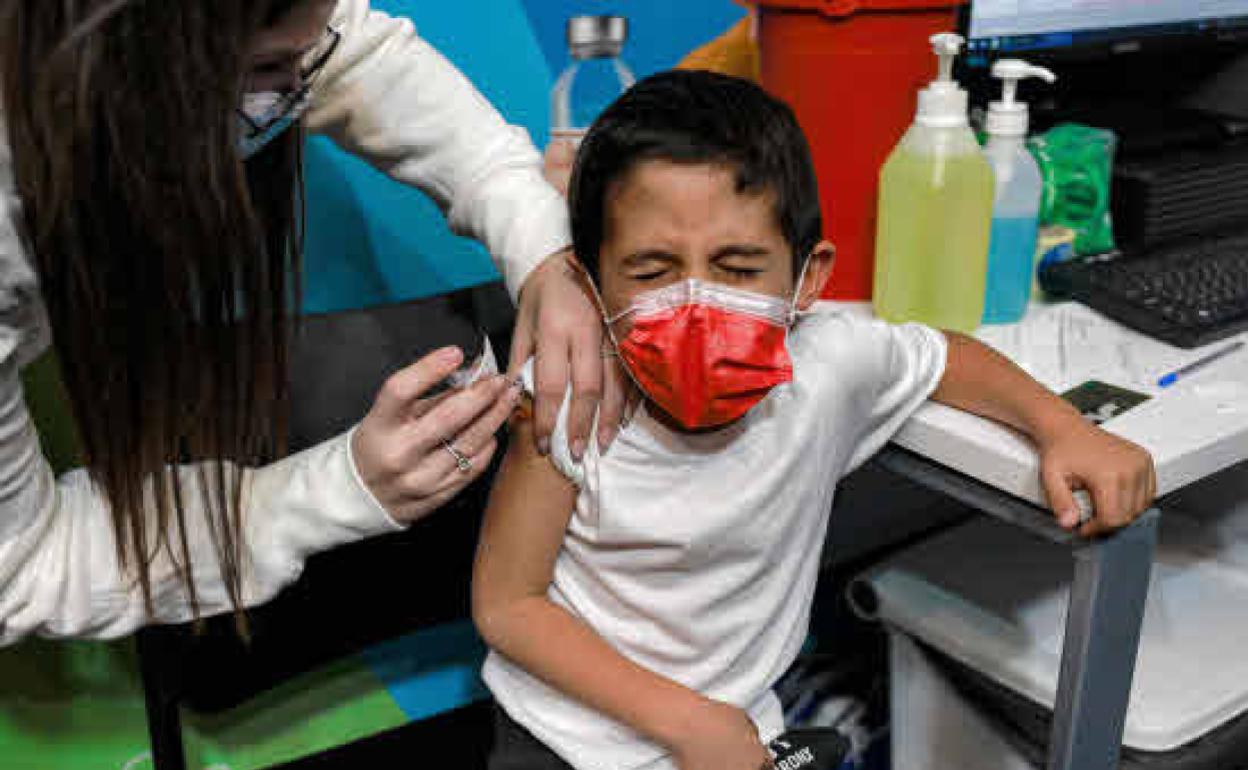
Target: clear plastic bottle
{"x": 595, "y": 77}
{"x": 935, "y": 210}
{"x": 1016, "y": 207}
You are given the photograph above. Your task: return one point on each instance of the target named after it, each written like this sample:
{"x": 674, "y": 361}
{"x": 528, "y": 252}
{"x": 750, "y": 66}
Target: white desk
{"x": 1193, "y": 429}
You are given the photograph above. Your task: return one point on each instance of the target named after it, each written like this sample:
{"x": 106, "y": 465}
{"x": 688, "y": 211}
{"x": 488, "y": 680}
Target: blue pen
{"x": 1174, "y": 376}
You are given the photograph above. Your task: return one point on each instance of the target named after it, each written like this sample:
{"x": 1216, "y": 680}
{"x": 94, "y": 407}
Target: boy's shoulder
{"x": 835, "y": 331}
{"x": 847, "y": 342}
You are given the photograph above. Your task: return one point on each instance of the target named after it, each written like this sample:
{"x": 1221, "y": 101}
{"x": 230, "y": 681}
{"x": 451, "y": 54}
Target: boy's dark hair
{"x": 689, "y": 116}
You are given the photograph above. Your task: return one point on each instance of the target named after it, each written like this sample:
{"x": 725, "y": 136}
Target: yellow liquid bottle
{"x": 935, "y": 216}
{"x": 935, "y": 212}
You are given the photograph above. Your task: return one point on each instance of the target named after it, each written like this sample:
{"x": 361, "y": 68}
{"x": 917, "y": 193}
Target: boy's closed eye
{"x": 727, "y": 264}
{"x": 650, "y": 265}
{"x": 741, "y": 262}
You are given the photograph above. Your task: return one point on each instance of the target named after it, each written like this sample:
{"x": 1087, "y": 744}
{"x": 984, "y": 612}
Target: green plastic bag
{"x": 1077, "y": 164}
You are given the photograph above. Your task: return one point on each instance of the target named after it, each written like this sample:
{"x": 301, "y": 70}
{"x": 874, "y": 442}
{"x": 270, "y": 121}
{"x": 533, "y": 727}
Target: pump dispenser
{"x": 935, "y": 210}
{"x": 943, "y": 103}
{"x": 1008, "y": 117}
{"x": 1016, "y": 203}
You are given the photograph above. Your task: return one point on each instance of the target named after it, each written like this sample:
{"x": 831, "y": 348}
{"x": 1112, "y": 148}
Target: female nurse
{"x": 149, "y": 238}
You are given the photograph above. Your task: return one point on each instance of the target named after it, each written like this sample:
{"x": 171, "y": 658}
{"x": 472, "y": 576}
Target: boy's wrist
{"x": 673, "y": 725}
{"x": 1056, "y": 421}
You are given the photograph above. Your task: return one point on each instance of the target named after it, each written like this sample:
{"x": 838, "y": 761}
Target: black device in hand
{"x": 811, "y": 748}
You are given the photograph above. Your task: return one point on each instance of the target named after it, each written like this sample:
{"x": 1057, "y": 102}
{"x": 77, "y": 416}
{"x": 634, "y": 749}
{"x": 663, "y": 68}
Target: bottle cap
{"x": 597, "y": 37}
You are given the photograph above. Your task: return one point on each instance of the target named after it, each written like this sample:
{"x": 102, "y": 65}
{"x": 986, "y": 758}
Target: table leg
{"x": 1107, "y": 600}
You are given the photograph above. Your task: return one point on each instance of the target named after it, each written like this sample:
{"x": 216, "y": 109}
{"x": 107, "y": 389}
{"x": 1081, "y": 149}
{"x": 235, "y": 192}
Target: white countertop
{"x": 1192, "y": 429}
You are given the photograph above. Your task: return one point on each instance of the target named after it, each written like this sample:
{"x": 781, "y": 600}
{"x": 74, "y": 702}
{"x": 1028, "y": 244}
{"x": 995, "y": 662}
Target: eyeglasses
{"x": 289, "y": 106}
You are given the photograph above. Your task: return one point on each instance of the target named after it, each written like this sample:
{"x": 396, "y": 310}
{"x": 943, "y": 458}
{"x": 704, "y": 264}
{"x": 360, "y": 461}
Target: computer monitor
{"x": 1074, "y": 29}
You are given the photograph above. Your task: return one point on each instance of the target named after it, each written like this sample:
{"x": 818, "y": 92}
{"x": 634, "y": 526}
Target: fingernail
{"x": 605, "y": 437}
{"x": 543, "y": 446}
{"x": 514, "y": 394}
{"x": 449, "y": 354}
{"x": 578, "y": 449}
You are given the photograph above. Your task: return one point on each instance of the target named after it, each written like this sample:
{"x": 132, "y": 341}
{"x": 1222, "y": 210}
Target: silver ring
{"x": 462, "y": 461}
{"x": 610, "y": 353}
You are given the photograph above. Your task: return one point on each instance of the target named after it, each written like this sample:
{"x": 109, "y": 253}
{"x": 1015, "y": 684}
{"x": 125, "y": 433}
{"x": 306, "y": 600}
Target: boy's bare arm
{"x": 524, "y": 528}
{"x": 1074, "y": 454}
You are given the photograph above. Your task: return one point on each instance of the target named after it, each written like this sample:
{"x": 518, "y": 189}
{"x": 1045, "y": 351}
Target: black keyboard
{"x": 1188, "y": 295}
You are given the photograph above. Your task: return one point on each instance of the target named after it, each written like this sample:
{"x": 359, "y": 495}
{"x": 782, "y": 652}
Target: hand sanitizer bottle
{"x": 935, "y": 210}
{"x": 1016, "y": 207}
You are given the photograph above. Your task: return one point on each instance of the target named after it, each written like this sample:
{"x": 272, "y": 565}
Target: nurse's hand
{"x": 403, "y": 447}
{"x": 559, "y": 323}
{"x": 557, "y": 163}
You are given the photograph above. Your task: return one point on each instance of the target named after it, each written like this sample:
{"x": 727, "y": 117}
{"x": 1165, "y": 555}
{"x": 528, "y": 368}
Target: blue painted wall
{"x": 373, "y": 241}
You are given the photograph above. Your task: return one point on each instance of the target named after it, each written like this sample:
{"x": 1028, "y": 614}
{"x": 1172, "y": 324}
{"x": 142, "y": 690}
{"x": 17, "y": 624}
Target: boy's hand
{"x": 1074, "y": 454}
{"x": 720, "y": 737}
{"x": 1117, "y": 474}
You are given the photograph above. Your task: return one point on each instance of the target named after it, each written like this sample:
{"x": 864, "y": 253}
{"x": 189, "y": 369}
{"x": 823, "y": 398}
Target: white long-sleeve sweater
{"x": 387, "y": 96}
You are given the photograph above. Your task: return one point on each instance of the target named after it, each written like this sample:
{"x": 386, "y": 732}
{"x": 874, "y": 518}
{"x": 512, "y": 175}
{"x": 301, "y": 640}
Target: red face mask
{"x": 706, "y": 353}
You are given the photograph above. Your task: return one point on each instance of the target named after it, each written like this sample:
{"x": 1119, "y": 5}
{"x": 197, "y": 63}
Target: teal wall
{"x": 373, "y": 241}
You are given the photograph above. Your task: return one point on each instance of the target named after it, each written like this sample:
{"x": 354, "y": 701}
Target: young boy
{"x": 641, "y": 604}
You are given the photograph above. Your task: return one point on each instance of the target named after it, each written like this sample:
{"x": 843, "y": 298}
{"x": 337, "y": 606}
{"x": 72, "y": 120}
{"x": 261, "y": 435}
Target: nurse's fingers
{"x": 618, "y": 395}
{"x": 588, "y": 374}
{"x": 451, "y": 417}
{"x": 478, "y": 463}
{"x": 425, "y": 405}
{"x": 404, "y": 389}
{"x": 444, "y": 459}
{"x": 522, "y": 348}
{"x": 550, "y": 373}
{"x": 420, "y": 506}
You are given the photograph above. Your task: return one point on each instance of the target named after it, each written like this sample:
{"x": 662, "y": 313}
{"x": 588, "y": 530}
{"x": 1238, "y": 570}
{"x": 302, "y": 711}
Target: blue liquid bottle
{"x": 1016, "y": 207}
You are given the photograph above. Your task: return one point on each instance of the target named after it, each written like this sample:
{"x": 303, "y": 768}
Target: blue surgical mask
{"x": 264, "y": 116}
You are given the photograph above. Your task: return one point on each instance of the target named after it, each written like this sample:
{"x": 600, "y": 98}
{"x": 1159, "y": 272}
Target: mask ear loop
{"x": 794, "y": 312}
{"x": 607, "y": 320}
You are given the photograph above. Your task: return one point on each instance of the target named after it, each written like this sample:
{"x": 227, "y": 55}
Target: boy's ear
{"x": 818, "y": 271}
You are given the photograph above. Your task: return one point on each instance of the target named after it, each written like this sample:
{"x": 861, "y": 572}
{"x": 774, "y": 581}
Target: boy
{"x": 641, "y": 604}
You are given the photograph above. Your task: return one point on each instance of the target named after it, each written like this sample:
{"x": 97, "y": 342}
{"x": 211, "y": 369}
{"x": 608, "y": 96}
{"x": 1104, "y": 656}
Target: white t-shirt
{"x": 696, "y": 556}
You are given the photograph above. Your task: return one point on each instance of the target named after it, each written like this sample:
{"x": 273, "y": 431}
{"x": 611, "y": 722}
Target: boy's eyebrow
{"x": 648, "y": 255}
{"x": 740, "y": 250}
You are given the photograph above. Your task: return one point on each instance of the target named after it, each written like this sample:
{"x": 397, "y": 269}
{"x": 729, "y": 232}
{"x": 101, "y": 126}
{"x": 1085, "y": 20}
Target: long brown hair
{"x": 168, "y": 266}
